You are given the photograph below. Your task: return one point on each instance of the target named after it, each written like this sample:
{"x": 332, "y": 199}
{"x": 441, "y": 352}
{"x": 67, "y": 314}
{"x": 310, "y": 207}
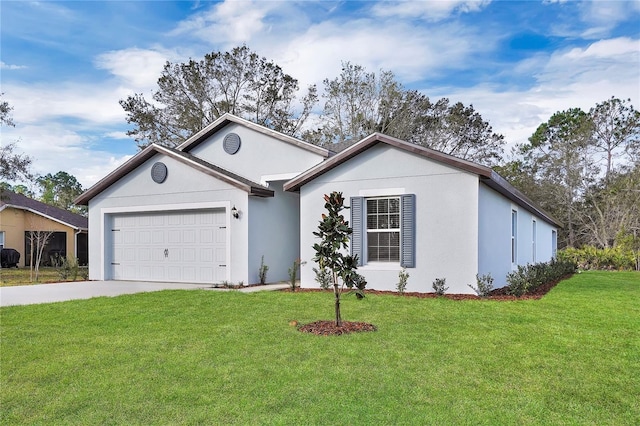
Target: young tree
{"x": 38, "y": 240}
{"x": 192, "y": 95}
{"x": 334, "y": 232}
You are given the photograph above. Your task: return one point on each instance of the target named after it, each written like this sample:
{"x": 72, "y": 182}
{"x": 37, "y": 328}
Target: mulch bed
{"x": 329, "y": 328}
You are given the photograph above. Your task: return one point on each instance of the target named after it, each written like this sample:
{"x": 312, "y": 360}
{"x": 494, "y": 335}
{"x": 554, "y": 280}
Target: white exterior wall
{"x": 259, "y": 155}
{"x": 446, "y": 216}
{"x": 275, "y": 233}
{"x": 184, "y": 188}
{"x": 494, "y": 242}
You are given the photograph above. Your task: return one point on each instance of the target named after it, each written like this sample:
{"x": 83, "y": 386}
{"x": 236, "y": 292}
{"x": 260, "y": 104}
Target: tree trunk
{"x": 336, "y": 292}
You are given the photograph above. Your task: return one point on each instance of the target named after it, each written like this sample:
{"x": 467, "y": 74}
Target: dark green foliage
{"x": 333, "y": 232}
{"x": 527, "y": 279}
{"x": 484, "y": 285}
{"x": 439, "y": 286}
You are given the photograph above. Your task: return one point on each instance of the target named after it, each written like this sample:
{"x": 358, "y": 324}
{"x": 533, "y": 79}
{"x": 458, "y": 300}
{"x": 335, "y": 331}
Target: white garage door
{"x": 185, "y": 246}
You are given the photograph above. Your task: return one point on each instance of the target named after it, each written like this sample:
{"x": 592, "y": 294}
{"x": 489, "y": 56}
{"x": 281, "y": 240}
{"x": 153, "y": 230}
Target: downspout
{"x": 75, "y": 243}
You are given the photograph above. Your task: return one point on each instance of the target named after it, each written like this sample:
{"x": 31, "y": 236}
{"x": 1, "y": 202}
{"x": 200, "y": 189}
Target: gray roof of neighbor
{"x": 19, "y": 201}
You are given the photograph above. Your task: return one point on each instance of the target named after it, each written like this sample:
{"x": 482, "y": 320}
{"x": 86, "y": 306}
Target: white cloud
{"x": 229, "y": 22}
{"x": 575, "y": 78}
{"x": 432, "y": 11}
{"x": 4, "y": 66}
{"x": 92, "y": 103}
{"x": 137, "y": 68}
{"x": 54, "y": 147}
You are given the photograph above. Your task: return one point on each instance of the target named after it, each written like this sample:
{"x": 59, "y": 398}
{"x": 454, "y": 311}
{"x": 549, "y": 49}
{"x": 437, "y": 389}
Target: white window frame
{"x": 533, "y": 240}
{"x": 397, "y": 230}
{"x": 554, "y": 243}
{"x": 2, "y": 236}
{"x": 514, "y": 236}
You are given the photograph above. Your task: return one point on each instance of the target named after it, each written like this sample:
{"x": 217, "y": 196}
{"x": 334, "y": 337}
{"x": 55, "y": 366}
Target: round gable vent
{"x": 231, "y": 143}
{"x": 159, "y": 172}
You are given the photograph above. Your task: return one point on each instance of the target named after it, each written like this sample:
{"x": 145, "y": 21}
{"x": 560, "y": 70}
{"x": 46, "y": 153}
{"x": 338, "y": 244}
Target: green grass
{"x": 204, "y": 357}
{"x": 22, "y": 276}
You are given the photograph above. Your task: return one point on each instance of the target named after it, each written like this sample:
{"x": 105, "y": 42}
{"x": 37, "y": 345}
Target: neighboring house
{"x": 207, "y": 211}
{"x": 436, "y": 215}
{"x": 19, "y": 215}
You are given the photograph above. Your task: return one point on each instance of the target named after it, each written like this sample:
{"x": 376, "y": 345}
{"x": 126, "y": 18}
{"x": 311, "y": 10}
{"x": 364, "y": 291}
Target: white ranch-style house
{"x": 210, "y": 209}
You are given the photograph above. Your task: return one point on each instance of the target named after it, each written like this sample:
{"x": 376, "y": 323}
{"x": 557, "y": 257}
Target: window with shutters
{"x": 383, "y": 229}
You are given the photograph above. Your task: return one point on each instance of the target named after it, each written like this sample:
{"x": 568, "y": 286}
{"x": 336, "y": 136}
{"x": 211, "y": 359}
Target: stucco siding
{"x": 494, "y": 242}
{"x": 446, "y": 216}
{"x": 184, "y": 188}
{"x": 14, "y": 222}
{"x": 275, "y": 233}
{"x": 259, "y": 155}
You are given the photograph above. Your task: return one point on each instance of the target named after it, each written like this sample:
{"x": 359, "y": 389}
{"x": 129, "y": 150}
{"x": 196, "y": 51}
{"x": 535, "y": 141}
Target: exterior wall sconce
{"x": 234, "y": 212}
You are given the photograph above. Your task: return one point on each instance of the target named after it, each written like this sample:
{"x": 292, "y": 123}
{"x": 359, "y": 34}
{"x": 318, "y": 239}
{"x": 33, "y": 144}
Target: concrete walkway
{"x": 60, "y": 292}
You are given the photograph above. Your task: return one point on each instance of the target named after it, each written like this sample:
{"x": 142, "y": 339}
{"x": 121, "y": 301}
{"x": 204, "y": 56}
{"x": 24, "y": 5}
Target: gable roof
{"x": 227, "y": 119}
{"x": 9, "y": 199}
{"x": 224, "y": 175}
{"x": 486, "y": 175}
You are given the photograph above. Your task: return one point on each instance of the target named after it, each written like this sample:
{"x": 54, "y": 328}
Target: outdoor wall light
{"x": 235, "y": 213}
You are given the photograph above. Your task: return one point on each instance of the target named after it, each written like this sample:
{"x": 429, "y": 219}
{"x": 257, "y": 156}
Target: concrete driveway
{"x": 60, "y": 292}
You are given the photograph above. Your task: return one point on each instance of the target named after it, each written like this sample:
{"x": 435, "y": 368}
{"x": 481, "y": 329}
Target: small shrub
{"x": 262, "y": 272}
{"x": 484, "y": 285}
{"x": 439, "y": 286}
{"x": 293, "y": 273}
{"x": 67, "y": 268}
{"x": 323, "y": 277}
{"x": 403, "y": 277}
{"x": 84, "y": 273}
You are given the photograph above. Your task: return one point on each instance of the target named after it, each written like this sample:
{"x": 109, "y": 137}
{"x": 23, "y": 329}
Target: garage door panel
{"x": 170, "y": 246}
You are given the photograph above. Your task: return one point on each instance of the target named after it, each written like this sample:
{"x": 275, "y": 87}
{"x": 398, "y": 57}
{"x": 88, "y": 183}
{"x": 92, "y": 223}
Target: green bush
{"x": 67, "y": 268}
{"x": 439, "y": 286}
{"x": 484, "y": 285}
{"x": 527, "y": 279}
{"x": 618, "y": 258}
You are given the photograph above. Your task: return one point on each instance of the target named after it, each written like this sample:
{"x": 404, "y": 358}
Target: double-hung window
{"x": 383, "y": 229}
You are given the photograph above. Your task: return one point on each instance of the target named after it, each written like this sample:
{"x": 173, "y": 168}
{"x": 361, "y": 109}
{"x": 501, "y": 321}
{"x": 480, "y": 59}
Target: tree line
{"x": 580, "y": 166}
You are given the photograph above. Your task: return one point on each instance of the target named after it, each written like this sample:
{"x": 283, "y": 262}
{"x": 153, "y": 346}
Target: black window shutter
{"x": 408, "y": 241}
{"x": 357, "y": 224}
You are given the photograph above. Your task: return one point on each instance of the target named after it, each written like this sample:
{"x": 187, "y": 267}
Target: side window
{"x": 384, "y": 229}
{"x": 533, "y": 241}
{"x": 554, "y": 244}
{"x": 1, "y": 239}
{"x": 514, "y": 236}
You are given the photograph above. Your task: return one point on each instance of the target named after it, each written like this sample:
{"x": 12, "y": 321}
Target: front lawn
{"x": 22, "y": 276}
{"x": 205, "y": 357}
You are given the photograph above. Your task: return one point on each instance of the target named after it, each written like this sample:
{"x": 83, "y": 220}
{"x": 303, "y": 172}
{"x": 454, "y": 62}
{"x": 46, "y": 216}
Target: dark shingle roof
{"x": 19, "y": 201}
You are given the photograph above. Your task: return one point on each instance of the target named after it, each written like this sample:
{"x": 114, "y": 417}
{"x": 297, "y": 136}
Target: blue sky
{"x": 65, "y": 65}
